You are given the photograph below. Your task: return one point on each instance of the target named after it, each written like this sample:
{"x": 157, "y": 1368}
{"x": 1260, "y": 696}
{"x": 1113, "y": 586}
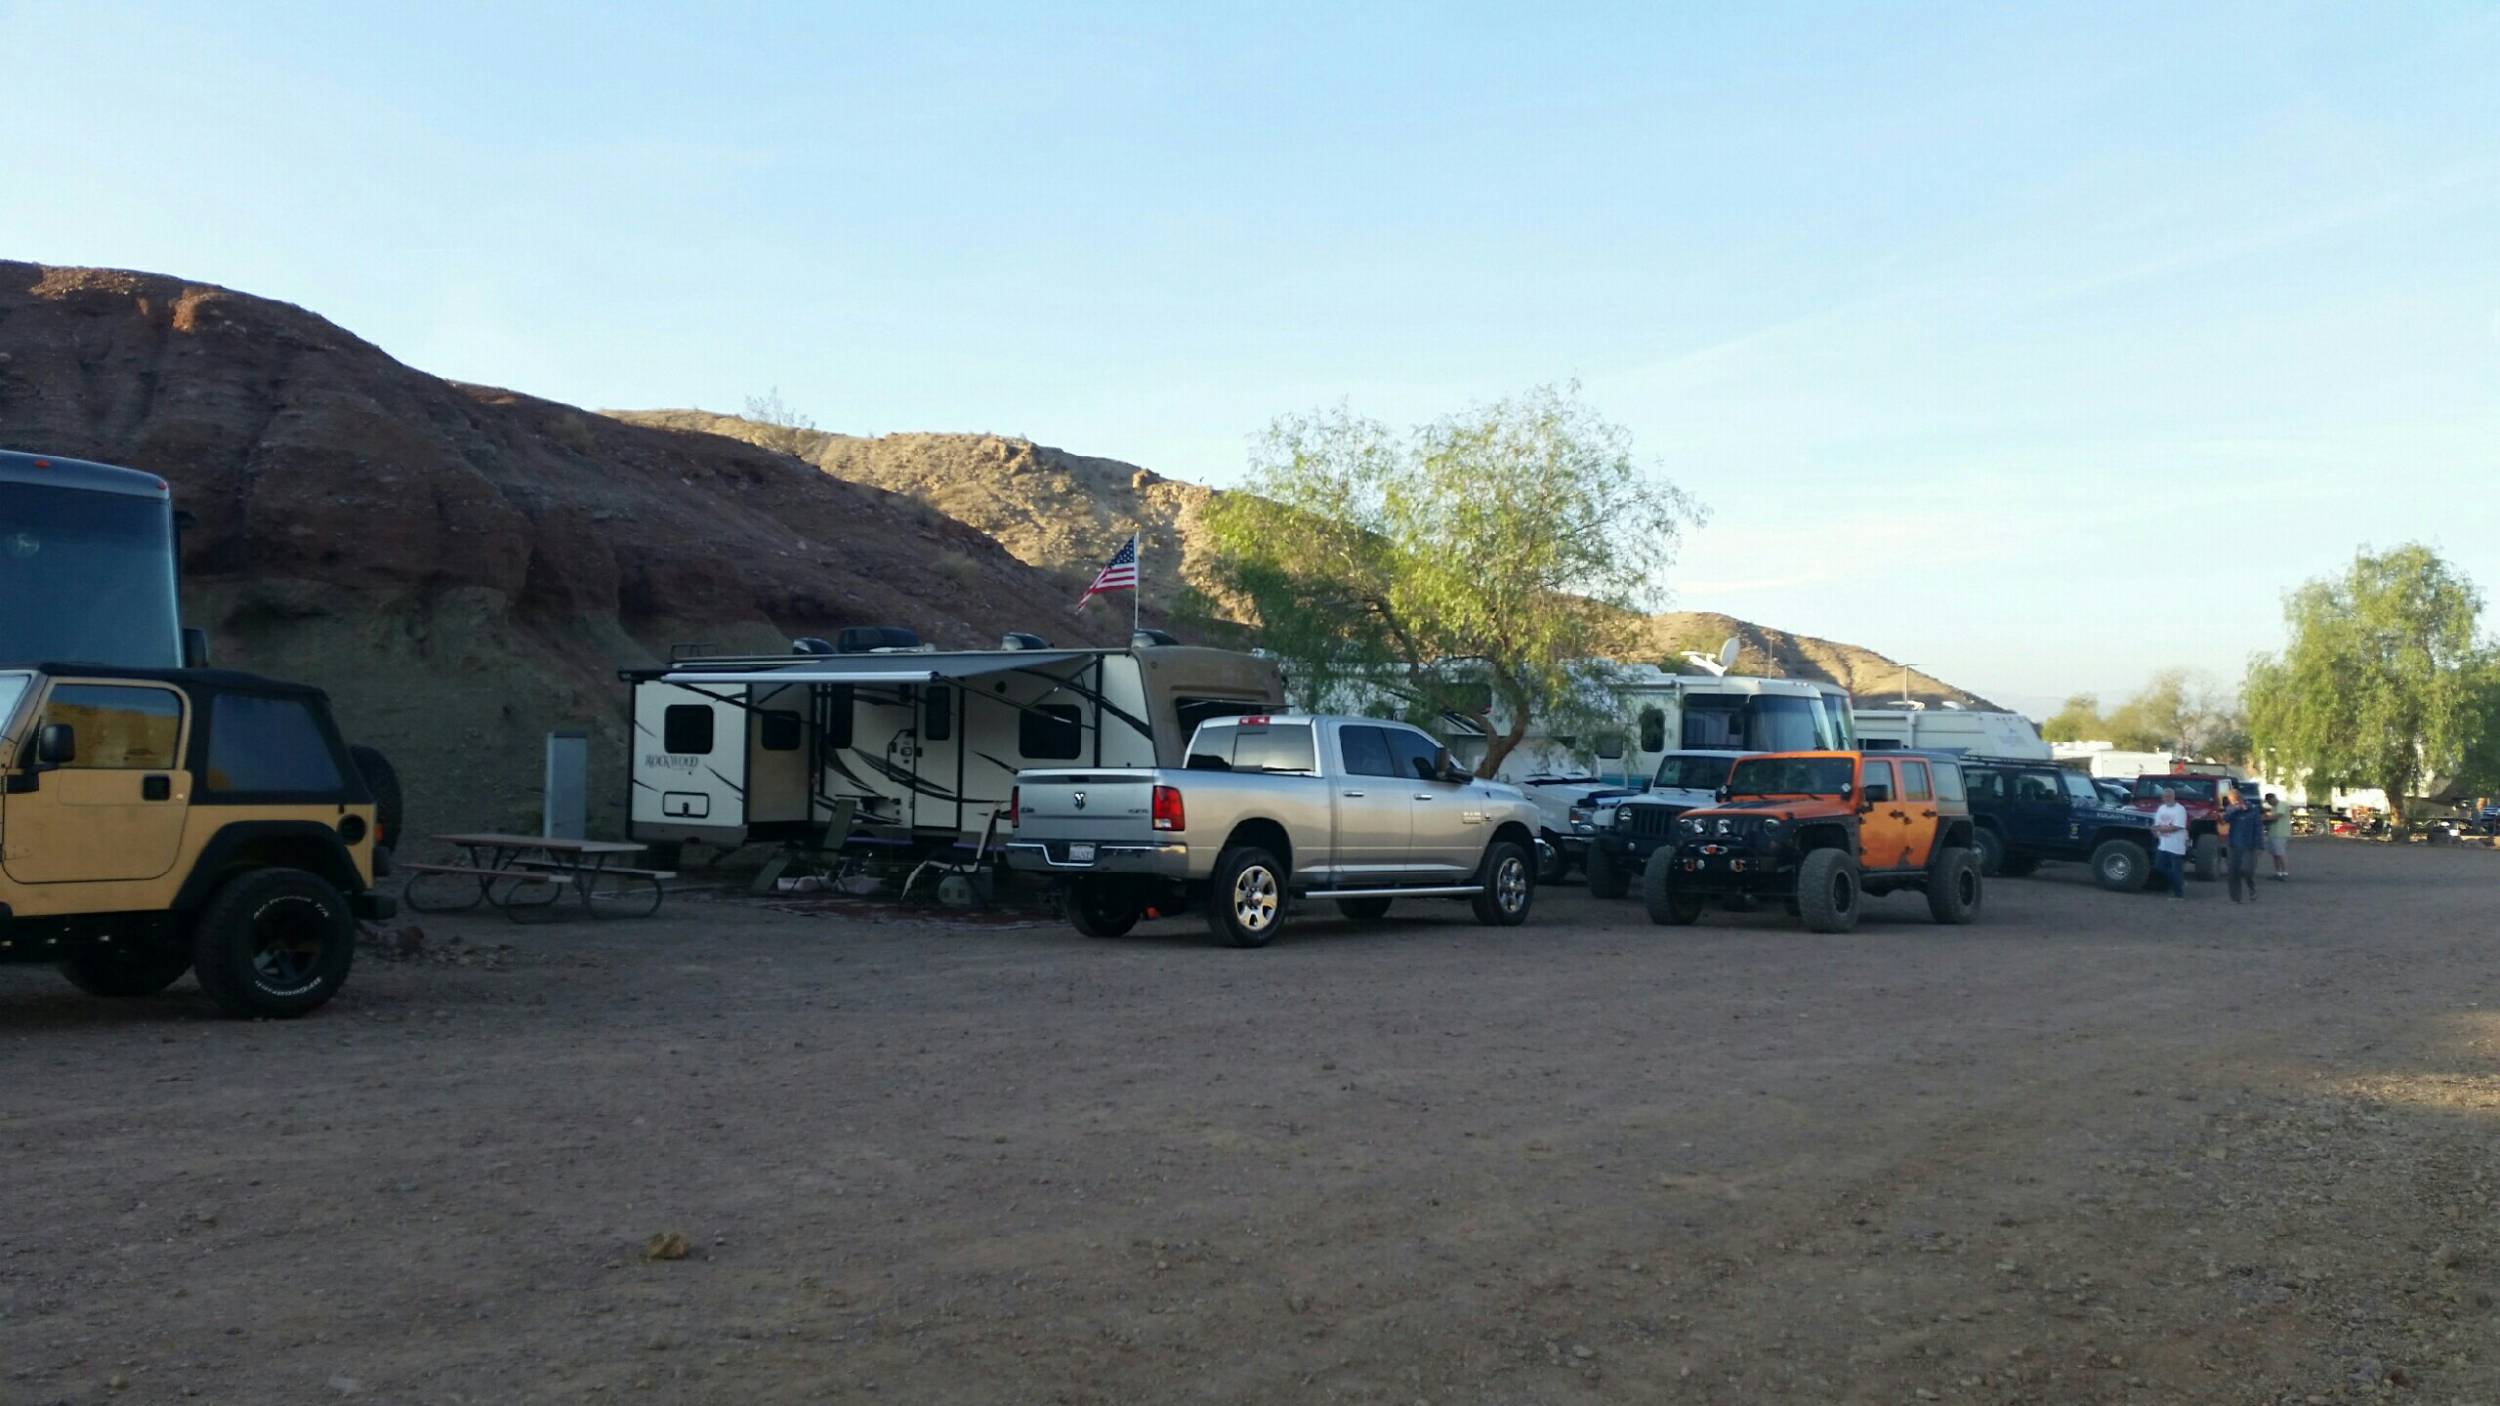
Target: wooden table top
{"x": 550, "y": 843}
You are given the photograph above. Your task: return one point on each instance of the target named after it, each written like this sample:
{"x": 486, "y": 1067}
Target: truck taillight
{"x": 1167, "y": 809}
{"x": 1015, "y": 806}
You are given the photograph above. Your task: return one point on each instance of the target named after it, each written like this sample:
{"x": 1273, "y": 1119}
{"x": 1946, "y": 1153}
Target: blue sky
{"x": 1980, "y": 329}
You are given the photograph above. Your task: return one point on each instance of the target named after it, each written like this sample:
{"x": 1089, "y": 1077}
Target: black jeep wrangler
{"x": 2025, "y": 812}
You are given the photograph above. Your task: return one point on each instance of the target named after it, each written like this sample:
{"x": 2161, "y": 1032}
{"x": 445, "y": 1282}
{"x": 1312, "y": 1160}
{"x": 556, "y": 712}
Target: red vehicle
{"x": 2199, "y": 793}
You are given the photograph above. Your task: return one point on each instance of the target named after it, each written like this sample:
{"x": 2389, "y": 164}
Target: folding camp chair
{"x": 820, "y": 859}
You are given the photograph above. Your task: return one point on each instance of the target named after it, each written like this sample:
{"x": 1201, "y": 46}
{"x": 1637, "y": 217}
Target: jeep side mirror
{"x": 1719, "y": 795}
{"x": 194, "y": 647}
{"x": 1878, "y": 794}
{"x": 1447, "y": 767}
{"x": 56, "y": 745}
{"x": 1848, "y": 789}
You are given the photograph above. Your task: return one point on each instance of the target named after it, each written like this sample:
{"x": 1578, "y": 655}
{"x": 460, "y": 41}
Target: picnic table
{"x": 527, "y": 874}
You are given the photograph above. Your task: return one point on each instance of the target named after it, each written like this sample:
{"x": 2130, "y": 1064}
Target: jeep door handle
{"x": 1354, "y": 795}
{"x": 1423, "y": 795}
{"x": 1926, "y": 815}
{"x": 1899, "y": 814}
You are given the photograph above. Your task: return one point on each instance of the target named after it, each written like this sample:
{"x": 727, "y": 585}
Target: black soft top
{"x": 194, "y": 680}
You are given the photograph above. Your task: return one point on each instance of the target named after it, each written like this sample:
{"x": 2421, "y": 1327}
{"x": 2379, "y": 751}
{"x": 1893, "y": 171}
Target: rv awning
{"x": 890, "y": 668}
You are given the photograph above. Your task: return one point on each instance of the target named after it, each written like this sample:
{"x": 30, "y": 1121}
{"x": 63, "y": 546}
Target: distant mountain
{"x": 1870, "y": 676}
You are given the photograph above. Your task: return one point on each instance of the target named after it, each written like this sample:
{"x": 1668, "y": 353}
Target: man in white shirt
{"x": 2170, "y": 842}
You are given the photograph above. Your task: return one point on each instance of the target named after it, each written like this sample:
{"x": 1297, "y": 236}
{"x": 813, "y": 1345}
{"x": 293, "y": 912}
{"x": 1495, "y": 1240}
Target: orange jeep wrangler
{"x": 1823, "y": 831}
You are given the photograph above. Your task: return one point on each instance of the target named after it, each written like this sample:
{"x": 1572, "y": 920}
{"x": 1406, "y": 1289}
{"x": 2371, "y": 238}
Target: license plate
{"x": 1080, "y": 854}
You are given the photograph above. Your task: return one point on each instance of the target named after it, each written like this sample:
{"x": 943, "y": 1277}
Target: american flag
{"x": 1118, "y": 574}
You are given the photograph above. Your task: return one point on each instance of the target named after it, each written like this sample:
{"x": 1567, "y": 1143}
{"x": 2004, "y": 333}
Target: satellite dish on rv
{"x": 1718, "y": 665}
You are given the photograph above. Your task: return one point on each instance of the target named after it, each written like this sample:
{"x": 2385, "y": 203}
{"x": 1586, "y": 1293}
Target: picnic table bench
{"x": 527, "y": 874}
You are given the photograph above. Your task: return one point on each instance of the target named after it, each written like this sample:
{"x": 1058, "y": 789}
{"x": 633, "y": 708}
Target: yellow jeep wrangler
{"x": 157, "y": 821}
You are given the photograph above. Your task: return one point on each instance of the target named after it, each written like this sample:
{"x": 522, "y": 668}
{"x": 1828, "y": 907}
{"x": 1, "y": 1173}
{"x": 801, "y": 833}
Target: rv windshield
{"x": 1691, "y": 773}
{"x": 1757, "y": 722}
{"x": 88, "y": 577}
{"x": 1790, "y": 776}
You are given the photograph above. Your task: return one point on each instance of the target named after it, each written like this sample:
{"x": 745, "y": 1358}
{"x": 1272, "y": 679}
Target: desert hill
{"x": 464, "y": 568}
{"x": 1063, "y": 512}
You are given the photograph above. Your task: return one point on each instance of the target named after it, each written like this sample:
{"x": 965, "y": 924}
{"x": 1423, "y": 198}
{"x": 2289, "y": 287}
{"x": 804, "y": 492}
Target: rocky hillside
{"x": 1063, "y": 511}
{"x": 1055, "y": 510}
{"x": 464, "y": 568}
{"x": 1779, "y": 654}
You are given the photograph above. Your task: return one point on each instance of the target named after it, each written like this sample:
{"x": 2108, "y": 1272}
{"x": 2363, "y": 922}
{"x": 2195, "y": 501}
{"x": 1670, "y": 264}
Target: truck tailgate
{"x": 1096, "y": 806}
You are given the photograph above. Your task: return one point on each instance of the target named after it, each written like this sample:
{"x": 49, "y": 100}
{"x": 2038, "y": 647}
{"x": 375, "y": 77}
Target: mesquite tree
{"x": 1502, "y": 550}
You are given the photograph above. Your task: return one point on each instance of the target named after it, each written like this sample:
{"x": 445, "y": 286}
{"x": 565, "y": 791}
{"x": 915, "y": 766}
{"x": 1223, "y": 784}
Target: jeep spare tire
{"x": 382, "y": 779}
{"x": 273, "y": 943}
{"x": 1828, "y": 897}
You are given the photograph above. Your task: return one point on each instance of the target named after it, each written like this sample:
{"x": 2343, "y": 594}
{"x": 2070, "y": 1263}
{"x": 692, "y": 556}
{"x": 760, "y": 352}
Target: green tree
{"x": 1503, "y": 550}
{"x": 2386, "y": 680}
{"x": 2180, "y": 712}
{"x": 2079, "y": 720}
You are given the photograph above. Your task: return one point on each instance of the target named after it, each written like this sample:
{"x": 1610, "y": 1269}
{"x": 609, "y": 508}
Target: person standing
{"x": 2244, "y": 826}
{"x": 2279, "y": 836}
{"x": 2170, "y": 842}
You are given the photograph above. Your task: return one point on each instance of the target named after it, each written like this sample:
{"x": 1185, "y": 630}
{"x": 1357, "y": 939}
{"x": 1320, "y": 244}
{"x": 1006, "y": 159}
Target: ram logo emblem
{"x": 1079, "y": 798}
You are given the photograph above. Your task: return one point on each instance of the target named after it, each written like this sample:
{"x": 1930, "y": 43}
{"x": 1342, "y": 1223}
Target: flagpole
{"x": 1137, "y": 597}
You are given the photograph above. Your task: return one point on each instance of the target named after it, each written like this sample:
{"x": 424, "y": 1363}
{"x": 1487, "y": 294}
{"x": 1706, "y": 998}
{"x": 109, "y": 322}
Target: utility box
{"x": 567, "y": 810}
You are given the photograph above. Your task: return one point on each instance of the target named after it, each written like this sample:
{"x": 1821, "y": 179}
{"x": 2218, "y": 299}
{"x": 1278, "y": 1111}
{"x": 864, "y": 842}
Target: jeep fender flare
{"x": 1957, "y": 834}
{"x": 255, "y": 844}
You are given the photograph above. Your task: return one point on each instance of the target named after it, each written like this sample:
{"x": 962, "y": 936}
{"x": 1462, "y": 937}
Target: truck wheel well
{"x": 1267, "y": 835}
{"x": 2137, "y": 838}
{"x": 1822, "y": 837}
{"x": 269, "y": 852}
{"x": 1958, "y": 834}
{"x": 1517, "y": 834}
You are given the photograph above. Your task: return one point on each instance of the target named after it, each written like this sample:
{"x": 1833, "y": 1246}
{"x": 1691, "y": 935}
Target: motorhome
{"x": 923, "y": 743}
{"x": 1976, "y": 732}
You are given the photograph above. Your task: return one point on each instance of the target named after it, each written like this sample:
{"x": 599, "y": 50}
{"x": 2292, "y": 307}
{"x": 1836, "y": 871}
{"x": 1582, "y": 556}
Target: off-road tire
{"x": 382, "y": 779}
{"x": 121, "y": 970}
{"x": 2120, "y": 865}
{"x": 1246, "y": 897}
{"x": 1101, "y": 907}
{"x": 1658, "y": 895}
{"x": 1828, "y": 896}
{"x": 1954, "y": 887}
{"x": 1606, "y": 876}
{"x": 1554, "y": 866}
{"x": 273, "y": 944}
{"x": 1364, "y": 910}
{"x": 1991, "y": 848}
{"x": 1509, "y": 879}
{"x": 2205, "y": 857}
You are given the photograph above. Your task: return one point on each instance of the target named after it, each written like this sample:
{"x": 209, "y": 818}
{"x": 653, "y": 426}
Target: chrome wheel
{"x": 1254, "y": 899}
{"x": 1510, "y": 885}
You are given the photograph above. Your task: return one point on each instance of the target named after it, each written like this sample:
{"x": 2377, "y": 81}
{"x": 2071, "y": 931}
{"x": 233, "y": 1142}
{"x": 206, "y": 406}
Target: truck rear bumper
{"x": 1167, "y": 859}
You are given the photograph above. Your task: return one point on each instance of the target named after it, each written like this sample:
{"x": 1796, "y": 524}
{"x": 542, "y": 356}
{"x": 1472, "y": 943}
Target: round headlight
{"x": 1694, "y": 827}
{"x": 1623, "y": 816}
{"x": 1770, "y": 827}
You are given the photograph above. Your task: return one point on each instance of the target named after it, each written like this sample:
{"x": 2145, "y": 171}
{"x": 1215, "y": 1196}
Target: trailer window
{"x": 778, "y": 731}
{"x": 1653, "y": 730}
{"x": 937, "y": 714}
{"x": 1193, "y": 711}
{"x": 837, "y": 704}
{"x": 687, "y": 728}
{"x": 1053, "y": 732}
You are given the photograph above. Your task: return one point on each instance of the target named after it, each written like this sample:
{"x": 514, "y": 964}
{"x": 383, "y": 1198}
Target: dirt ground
{"x": 2095, "y": 1148}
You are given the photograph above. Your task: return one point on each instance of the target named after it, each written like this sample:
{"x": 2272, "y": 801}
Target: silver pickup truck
{"x": 1266, "y": 810}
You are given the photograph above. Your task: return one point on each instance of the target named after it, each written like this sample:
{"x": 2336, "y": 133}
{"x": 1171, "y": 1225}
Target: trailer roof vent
{"x": 810, "y": 644}
{"x": 1149, "y": 639}
{"x": 1018, "y": 639}
{"x": 862, "y": 639}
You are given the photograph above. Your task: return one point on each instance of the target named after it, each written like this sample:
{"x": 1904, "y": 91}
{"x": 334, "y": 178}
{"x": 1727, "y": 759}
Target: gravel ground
{"x": 2095, "y": 1148}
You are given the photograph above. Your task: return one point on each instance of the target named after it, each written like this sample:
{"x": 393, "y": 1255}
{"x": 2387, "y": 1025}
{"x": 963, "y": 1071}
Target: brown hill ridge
{"x": 1064, "y": 512}
{"x": 464, "y": 568}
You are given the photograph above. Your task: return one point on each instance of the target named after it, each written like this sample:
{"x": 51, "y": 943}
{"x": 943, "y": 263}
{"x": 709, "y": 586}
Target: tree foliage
{"x": 2386, "y": 680}
{"x": 2176, "y": 711}
{"x": 1501, "y": 550}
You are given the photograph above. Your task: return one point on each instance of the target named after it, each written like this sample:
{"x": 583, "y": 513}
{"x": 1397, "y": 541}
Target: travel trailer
{"x": 925, "y": 743}
{"x": 1977, "y": 732}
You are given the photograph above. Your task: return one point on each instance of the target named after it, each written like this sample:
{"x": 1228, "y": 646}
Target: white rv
{"x": 1977, "y": 732}
{"x": 925, "y": 743}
